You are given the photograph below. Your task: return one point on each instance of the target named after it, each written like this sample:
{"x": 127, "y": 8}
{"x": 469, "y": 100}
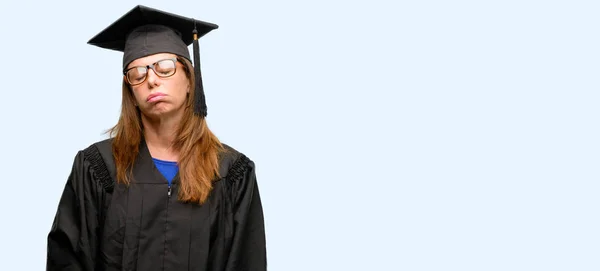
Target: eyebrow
{"x": 163, "y": 58}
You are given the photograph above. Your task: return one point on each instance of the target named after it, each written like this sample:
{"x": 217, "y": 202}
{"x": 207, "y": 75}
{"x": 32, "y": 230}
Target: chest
{"x": 146, "y": 226}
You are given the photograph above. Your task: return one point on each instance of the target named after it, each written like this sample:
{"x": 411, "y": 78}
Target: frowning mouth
{"x": 155, "y": 97}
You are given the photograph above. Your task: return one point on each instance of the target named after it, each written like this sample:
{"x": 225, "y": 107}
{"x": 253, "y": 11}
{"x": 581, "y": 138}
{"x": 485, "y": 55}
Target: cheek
{"x": 182, "y": 94}
{"x": 182, "y": 87}
{"x": 135, "y": 93}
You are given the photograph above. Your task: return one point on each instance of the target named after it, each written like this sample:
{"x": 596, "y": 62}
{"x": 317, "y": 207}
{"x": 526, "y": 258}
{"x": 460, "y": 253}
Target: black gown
{"x": 100, "y": 225}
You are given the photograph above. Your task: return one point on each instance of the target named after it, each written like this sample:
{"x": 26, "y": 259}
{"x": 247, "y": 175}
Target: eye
{"x": 165, "y": 67}
{"x": 136, "y": 74}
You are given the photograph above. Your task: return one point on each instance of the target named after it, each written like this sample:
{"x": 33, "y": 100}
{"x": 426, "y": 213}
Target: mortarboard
{"x": 145, "y": 31}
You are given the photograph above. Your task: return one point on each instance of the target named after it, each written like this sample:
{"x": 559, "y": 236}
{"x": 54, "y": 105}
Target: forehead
{"x": 147, "y": 60}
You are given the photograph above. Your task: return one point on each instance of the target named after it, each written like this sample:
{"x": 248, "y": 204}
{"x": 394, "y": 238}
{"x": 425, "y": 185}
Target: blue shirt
{"x": 167, "y": 168}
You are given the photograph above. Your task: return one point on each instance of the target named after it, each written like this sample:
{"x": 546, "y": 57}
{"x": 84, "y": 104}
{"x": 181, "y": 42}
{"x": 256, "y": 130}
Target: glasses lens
{"x": 136, "y": 75}
{"x": 165, "y": 67}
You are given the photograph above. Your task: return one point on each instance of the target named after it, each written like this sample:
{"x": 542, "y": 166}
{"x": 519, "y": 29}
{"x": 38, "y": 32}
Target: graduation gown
{"x": 101, "y": 225}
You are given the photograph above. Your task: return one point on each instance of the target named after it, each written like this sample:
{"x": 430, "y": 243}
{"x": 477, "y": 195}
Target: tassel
{"x": 200, "y": 100}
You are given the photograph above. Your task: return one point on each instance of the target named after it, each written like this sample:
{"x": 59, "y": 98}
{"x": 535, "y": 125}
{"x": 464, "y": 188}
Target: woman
{"x": 162, "y": 193}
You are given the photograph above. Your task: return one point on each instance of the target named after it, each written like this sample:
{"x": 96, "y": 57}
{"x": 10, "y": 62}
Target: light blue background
{"x": 388, "y": 135}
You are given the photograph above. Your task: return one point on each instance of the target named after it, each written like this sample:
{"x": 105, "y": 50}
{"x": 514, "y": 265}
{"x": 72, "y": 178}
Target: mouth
{"x": 155, "y": 97}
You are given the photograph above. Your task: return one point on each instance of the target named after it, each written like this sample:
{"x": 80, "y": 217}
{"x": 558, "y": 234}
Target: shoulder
{"x": 97, "y": 159}
{"x": 100, "y": 150}
{"x": 237, "y": 173}
{"x": 102, "y": 145}
{"x": 93, "y": 151}
{"x": 233, "y": 163}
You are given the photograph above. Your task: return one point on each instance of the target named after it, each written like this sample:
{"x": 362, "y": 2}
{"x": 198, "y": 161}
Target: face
{"x": 159, "y": 96}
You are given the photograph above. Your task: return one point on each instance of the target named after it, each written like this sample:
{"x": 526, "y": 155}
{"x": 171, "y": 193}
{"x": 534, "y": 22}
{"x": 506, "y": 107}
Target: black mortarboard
{"x": 145, "y": 31}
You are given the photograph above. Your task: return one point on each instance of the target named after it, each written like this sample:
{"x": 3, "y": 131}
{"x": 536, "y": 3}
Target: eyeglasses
{"x": 163, "y": 68}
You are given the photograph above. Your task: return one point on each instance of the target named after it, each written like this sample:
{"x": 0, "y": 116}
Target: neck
{"x": 159, "y": 134}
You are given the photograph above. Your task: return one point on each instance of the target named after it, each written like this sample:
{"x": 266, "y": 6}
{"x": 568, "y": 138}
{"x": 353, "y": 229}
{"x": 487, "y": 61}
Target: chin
{"x": 161, "y": 109}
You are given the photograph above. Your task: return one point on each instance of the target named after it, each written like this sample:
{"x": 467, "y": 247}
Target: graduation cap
{"x": 145, "y": 31}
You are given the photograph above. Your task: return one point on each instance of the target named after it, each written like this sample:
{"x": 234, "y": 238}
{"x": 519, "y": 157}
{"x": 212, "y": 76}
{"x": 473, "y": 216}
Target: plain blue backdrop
{"x": 388, "y": 135}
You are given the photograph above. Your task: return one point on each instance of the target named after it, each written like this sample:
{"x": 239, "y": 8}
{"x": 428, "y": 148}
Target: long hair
{"x": 198, "y": 147}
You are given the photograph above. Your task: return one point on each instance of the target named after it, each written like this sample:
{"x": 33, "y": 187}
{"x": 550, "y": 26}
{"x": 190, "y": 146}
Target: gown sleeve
{"x": 248, "y": 251}
{"x": 72, "y": 239}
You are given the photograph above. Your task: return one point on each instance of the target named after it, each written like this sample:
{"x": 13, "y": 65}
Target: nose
{"x": 152, "y": 78}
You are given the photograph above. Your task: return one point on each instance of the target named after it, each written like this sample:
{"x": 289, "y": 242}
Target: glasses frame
{"x": 151, "y": 66}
